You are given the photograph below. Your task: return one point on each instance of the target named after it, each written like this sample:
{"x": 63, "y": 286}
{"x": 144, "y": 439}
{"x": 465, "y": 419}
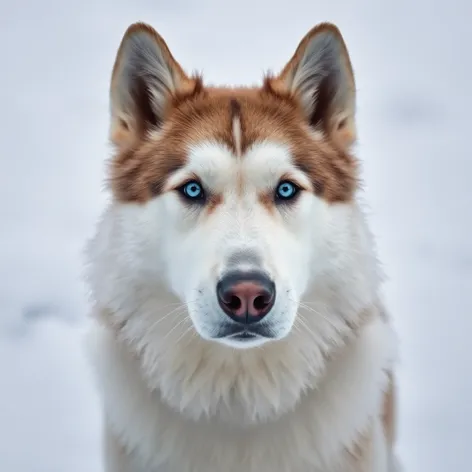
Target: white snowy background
{"x": 413, "y": 67}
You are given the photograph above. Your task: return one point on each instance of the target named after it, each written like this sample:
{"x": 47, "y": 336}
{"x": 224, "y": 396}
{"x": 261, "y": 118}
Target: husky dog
{"x": 238, "y": 321}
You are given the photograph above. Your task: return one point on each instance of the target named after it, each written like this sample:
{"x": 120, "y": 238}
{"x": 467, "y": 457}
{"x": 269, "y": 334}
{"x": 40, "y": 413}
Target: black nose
{"x": 246, "y": 297}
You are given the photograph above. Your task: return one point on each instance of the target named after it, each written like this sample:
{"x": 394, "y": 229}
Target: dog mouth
{"x": 243, "y": 336}
{"x": 237, "y": 333}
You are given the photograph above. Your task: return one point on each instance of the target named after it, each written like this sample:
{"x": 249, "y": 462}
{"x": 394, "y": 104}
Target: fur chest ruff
{"x": 321, "y": 433}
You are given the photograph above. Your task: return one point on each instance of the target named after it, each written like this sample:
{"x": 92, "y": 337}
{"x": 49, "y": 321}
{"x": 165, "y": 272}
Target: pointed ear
{"x": 320, "y": 76}
{"x": 146, "y": 79}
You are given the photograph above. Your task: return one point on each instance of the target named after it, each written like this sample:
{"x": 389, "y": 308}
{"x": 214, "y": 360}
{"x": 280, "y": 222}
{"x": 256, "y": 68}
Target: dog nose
{"x": 246, "y": 297}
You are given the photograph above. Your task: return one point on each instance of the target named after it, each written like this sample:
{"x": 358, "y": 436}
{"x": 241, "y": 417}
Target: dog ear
{"x": 320, "y": 77}
{"x": 146, "y": 80}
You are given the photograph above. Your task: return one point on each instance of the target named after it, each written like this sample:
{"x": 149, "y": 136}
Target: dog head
{"x": 235, "y": 200}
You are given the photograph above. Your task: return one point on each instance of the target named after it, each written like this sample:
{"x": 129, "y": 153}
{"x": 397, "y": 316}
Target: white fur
{"x": 179, "y": 401}
{"x": 310, "y": 437}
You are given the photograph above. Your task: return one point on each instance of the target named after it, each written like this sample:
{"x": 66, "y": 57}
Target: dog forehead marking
{"x": 236, "y": 126}
{"x": 239, "y": 120}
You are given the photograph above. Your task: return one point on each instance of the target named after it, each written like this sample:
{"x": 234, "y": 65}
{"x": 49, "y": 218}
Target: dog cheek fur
{"x": 137, "y": 306}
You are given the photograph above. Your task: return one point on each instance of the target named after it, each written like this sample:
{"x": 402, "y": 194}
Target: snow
{"x": 413, "y": 73}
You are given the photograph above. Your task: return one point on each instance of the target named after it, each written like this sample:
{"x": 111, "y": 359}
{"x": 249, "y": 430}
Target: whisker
{"x": 179, "y": 304}
{"x": 174, "y": 304}
{"x": 186, "y": 318}
{"x": 177, "y": 311}
{"x": 296, "y": 323}
{"x": 305, "y": 325}
{"x": 303, "y": 306}
{"x": 321, "y": 315}
{"x": 190, "y": 328}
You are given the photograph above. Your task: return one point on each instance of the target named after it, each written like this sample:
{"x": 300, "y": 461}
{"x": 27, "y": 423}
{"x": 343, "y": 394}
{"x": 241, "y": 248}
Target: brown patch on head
{"x": 213, "y": 202}
{"x": 235, "y": 108}
{"x": 140, "y": 172}
{"x": 266, "y": 199}
{"x": 332, "y": 171}
{"x": 158, "y": 112}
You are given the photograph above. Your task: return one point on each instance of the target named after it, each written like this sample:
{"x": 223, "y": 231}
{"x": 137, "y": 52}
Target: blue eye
{"x": 193, "y": 190}
{"x": 286, "y": 190}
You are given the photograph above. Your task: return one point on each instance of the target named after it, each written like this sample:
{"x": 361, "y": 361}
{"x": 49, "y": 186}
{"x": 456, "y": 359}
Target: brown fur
{"x": 195, "y": 113}
{"x": 139, "y": 173}
{"x": 213, "y": 202}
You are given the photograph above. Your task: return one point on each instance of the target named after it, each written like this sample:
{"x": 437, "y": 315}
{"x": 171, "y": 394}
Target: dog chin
{"x": 243, "y": 341}
{"x": 248, "y": 337}
{"x": 235, "y": 338}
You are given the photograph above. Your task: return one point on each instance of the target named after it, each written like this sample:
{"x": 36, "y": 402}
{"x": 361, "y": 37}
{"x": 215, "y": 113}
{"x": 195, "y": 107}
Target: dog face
{"x": 235, "y": 200}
